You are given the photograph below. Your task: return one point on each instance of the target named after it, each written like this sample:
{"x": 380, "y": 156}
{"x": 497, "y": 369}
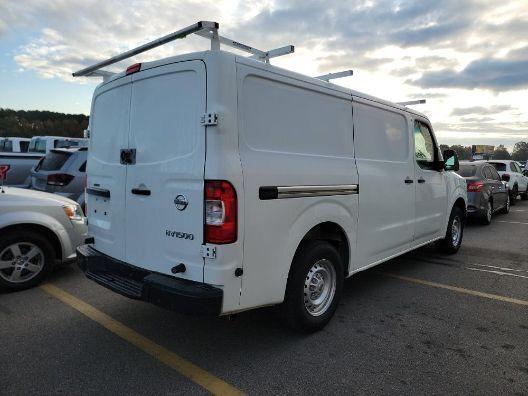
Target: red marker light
{"x": 133, "y": 69}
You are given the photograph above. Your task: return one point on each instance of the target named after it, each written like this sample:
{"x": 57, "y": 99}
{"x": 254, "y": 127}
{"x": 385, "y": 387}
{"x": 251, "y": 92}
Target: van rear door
{"x": 105, "y": 198}
{"x": 164, "y": 184}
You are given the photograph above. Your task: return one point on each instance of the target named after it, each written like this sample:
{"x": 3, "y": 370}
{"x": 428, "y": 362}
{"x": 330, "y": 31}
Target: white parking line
{"x": 519, "y": 210}
{"x": 497, "y": 272}
{"x": 501, "y": 268}
{"x": 511, "y": 222}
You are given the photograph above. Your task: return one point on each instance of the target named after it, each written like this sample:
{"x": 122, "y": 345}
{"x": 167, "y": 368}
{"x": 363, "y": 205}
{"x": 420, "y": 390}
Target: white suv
{"x": 511, "y": 172}
{"x": 218, "y": 183}
{"x": 37, "y": 231}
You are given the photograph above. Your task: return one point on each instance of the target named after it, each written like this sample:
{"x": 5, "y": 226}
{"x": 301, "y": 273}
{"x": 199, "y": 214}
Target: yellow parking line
{"x": 194, "y": 373}
{"x": 458, "y": 289}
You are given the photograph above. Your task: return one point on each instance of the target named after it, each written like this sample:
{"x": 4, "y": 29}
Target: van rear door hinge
{"x": 208, "y": 252}
{"x": 209, "y": 119}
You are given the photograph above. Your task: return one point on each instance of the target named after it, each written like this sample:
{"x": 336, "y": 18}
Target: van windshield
{"x": 467, "y": 170}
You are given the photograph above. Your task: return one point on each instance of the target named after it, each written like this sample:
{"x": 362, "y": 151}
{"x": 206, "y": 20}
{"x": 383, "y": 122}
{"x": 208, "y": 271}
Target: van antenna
{"x": 411, "y": 102}
{"x": 333, "y": 76}
{"x": 205, "y": 29}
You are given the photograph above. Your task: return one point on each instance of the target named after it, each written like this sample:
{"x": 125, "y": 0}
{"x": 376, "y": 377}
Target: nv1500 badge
{"x": 178, "y": 234}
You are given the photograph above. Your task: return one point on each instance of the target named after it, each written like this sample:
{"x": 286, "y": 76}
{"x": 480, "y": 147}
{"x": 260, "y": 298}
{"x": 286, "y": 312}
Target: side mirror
{"x": 505, "y": 177}
{"x": 451, "y": 160}
{"x": 525, "y": 172}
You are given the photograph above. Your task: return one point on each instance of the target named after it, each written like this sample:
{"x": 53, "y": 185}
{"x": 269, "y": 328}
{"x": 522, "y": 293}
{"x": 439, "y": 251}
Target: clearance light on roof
{"x": 133, "y": 69}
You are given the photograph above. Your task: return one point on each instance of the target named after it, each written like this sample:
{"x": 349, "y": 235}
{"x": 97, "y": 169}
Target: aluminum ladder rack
{"x": 205, "y": 29}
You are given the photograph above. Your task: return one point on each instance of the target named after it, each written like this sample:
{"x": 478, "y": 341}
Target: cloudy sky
{"x": 469, "y": 59}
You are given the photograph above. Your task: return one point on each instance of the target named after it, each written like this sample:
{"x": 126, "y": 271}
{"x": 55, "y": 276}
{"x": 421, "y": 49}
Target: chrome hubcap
{"x": 456, "y": 228}
{"x": 21, "y": 262}
{"x": 319, "y": 287}
{"x": 489, "y": 212}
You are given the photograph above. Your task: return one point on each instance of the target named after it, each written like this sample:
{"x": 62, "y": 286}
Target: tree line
{"x": 37, "y": 123}
{"x": 31, "y": 123}
{"x": 519, "y": 153}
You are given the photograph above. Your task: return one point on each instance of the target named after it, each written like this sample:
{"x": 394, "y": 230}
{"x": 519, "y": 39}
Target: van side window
{"x": 83, "y": 167}
{"x": 24, "y": 147}
{"x": 424, "y": 148}
{"x": 380, "y": 134}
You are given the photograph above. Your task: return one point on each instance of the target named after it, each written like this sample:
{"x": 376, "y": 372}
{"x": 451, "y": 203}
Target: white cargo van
{"x": 219, "y": 183}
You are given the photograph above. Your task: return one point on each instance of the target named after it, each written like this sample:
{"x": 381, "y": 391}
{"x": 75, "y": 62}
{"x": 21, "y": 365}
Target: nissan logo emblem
{"x": 181, "y": 202}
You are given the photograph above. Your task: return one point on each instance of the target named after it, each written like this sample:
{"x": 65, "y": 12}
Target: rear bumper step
{"x": 178, "y": 295}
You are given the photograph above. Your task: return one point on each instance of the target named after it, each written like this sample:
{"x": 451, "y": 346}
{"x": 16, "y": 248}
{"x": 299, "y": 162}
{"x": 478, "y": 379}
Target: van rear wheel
{"x": 455, "y": 231}
{"x": 314, "y": 287}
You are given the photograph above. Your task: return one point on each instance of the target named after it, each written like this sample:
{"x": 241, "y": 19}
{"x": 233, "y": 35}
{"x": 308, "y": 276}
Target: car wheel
{"x": 506, "y": 208}
{"x": 25, "y": 259}
{"x": 488, "y": 213}
{"x": 314, "y": 287}
{"x": 513, "y": 195}
{"x": 455, "y": 231}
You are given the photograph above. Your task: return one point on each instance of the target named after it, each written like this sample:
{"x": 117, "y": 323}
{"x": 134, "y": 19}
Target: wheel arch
{"x": 333, "y": 233}
{"x": 461, "y": 204}
{"x": 37, "y": 228}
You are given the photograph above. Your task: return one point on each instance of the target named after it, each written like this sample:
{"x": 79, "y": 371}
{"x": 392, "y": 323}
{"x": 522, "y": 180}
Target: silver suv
{"x": 61, "y": 171}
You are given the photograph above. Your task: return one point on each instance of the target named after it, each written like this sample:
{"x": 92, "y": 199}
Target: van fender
{"x": 456, "y": 188}
{"x": 315, "y": 214}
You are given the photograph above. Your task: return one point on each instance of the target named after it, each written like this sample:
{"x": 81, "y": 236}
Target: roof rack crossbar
{"x": 182, "y": 33}
{"x": 105, "y": 74}
{"x": 333, "y": 76}
{"x": 204, "y": 29}
{"x": 411, "y": 102}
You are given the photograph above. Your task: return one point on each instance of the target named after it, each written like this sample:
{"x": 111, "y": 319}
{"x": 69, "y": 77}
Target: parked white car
{"x": 511, "y": 172}
{"x": 14, "y": 145}
{"x": 43, "y": 144}
{"x": 37, "y": 231}
{"x": 299, "y": 184}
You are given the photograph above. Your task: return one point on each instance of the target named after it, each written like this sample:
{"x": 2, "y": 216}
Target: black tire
{"x": 294, "y": 309}
{"x": 506, "y": 208}
{"x": 448, "y": 245}
{"x": 513, "y": 195}
{"x": 524, "y": 195}
{"x": 486, "y": 216}
{"x": 25, "y": 238}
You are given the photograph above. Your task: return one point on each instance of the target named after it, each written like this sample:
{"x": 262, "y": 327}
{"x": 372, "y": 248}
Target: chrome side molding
{"x": 280, "y": 192}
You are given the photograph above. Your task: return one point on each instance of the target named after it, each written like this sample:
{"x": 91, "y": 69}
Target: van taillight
{"x": 59, "y": 179}
{"x": 220, "y": 212}
{"x": 133, "y": 69}
{"x": 475, "y": 187}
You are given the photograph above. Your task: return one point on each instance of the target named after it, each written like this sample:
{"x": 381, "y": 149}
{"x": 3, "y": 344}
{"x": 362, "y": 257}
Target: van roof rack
{"x": 205, "y": 29}
{"x": 333, "y": 76}
{"x": 411, "y": 102}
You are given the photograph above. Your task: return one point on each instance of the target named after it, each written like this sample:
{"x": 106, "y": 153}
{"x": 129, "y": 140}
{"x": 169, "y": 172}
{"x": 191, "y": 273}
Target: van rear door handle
{"x": 409, "y": 181}
{"x": 139, "y": 191}
{"x": 421, "y": 180}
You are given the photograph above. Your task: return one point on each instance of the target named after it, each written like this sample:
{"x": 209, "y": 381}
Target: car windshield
{"x": 37, "y": 145}
{"x": 54, "y": 160}
{"x": 500, "y": 167}
{"x": 467, "y": 170}
{"x": 6, "y": 145}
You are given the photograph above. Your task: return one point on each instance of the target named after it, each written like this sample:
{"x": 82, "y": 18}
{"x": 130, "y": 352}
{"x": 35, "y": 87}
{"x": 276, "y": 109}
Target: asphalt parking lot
{"x": 422, "y": 323}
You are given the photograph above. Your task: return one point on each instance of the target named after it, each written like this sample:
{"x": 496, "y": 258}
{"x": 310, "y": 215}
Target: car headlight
{"x": 74, "y": 212}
